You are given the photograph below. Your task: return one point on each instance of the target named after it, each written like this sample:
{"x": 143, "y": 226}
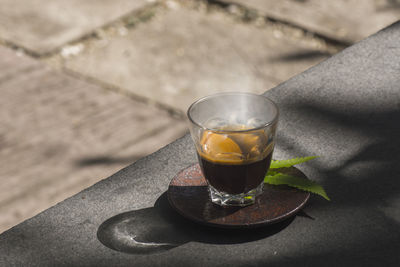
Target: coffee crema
{"x": 234, "y": 162}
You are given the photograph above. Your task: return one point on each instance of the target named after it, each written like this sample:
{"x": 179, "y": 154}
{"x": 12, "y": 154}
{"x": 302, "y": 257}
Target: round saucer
{"x": 188, "y": 195}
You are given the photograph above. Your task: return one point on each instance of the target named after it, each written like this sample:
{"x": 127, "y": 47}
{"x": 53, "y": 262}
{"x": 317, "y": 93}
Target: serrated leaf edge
{"x": 320, "y": 190}
{"x": 286, "y": 163}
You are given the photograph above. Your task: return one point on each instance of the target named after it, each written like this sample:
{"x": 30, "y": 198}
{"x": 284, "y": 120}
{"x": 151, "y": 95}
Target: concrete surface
{"x": 347, "y": 21}
{"x": 42, "y": 26}
{"x": 183, "y": 54}
{"x": 179, "y": 50}
{"x": 59, "y": 135}
{"x": 342, "y": 110}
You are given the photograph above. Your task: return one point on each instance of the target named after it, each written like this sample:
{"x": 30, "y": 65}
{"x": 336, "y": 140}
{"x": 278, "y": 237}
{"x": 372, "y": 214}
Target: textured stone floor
{"x": 346, "y": 21}
{"x": 183, "y": 54}
{"x": 42, "y": 26}
{"x": 59, "y": 134}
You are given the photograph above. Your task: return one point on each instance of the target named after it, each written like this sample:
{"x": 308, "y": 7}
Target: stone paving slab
{"x": 59, "y": 135}
{"x": 44, "y": 25}
{"x": 343, "y": 20}
{"x": 183, "y": 54}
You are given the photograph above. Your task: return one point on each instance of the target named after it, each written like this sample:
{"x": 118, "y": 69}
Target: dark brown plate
{"x": 188, "y": 195}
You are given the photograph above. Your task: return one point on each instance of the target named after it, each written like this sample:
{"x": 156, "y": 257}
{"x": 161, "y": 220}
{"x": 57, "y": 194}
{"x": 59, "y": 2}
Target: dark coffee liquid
{"x": 234, "y": 178}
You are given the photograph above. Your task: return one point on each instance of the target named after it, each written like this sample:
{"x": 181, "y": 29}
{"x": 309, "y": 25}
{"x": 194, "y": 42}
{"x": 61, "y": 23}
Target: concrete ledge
{"x": 343, "y": 110}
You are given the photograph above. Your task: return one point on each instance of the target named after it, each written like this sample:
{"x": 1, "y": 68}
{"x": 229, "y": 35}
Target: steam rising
{"x": 233, "y": 109}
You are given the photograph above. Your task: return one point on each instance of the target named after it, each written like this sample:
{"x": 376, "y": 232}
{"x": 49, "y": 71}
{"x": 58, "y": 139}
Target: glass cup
{"x": 234, "y": 135}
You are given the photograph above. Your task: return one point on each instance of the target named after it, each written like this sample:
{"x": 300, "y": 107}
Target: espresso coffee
{"x": 236, "y": 162}
{"x": 235, "y": 178}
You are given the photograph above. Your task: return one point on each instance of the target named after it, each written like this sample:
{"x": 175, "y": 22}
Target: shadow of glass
{"x": 199, "y": 203}
{"x": 158, "y": 229}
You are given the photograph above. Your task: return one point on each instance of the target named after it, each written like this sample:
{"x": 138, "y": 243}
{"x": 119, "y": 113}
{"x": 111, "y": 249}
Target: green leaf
{"x": 276, "y": 178}
{"x": 276, "y": 164}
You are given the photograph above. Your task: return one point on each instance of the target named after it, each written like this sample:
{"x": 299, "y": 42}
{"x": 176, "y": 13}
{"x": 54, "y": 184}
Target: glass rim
{"x": 269, "y": 123}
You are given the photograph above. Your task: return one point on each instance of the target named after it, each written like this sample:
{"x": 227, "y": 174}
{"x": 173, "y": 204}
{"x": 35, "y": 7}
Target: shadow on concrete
{"x": 370, "y": 174}
{"x": 158, "y": 229}
{"x": 367, "y": 182}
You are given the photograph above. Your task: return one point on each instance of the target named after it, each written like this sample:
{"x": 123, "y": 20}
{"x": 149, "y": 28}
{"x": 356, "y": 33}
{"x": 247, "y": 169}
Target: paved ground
{"x": 346, "y": 21}
{"x": 174, "y": 63}
{"x": 41, "y": 26}
{"x": 88, "y": 88}
{"x": 59, "y": 135}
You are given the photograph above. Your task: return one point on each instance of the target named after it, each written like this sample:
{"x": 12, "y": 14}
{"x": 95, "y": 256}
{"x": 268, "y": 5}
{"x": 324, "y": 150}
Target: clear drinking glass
{"x": 234, "y": 136}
